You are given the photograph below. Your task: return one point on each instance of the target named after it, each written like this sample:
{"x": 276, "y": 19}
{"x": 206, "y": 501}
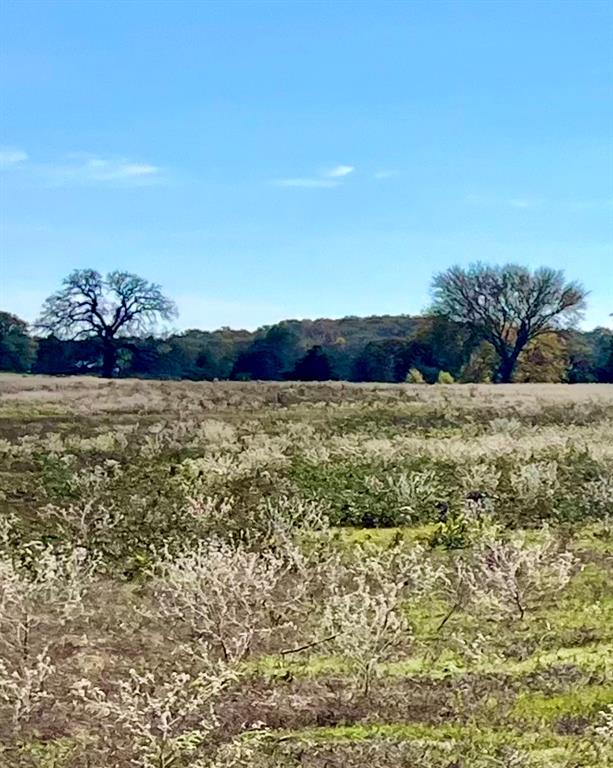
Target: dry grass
{"x": 261, "y": 575}
{"x": 85, "y": 394}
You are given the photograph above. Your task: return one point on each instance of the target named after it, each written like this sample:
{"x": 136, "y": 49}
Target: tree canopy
{"x": 508, "y": 305}
{"x": 573, "y": 356}
{"x": 17, "y": 349}
{"x": 107, "y": 308}
{"x": 486, "y": 324}
{"x": 314, "y": 366}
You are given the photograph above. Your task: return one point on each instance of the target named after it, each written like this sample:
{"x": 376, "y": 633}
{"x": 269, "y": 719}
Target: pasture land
{"x": 258, "y": 575}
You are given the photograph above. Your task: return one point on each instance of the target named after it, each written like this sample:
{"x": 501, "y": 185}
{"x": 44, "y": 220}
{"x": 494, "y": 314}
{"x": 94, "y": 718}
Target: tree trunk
{"x": 109, "y": 359}
{"x": 504, "y": 375}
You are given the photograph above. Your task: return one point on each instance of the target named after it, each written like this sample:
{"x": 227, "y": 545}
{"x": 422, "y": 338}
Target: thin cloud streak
{"x": 109, "y": 170}
{"x": 91, "y": 169}
{"x": 523, "y": 203}
{"x": 79, "y": 169}
{"x": 306, "y": 183}
{"x": 531, "y": 203}
{"x": 10, "y": 156}
{"x": 339, "y": 171}
{"x": 332, "y": 177}
{"x": 380, "y": 175}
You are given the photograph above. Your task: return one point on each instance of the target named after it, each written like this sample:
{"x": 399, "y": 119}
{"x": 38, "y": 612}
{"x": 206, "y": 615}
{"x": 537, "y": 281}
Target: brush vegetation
{"x": 246, "y": 575}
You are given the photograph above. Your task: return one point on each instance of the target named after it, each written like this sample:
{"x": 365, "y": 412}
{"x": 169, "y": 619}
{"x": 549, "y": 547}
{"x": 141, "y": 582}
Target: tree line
{"x": 500, "y": 323}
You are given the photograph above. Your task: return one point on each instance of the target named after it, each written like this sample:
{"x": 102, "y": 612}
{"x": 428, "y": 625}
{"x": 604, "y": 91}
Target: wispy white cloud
{"x": 10, "y": 156}
{"x": 532, "y": 203}
{"x": 523, "y": 202}
{"x": 380, "y": 175}
{"x": 486, "y": 200}
{"x": 99, "y": 169}
{"x": 331, "y": 177}
{"x": 307, "y": 182}
{"x": 83, "y": 168}
{"x": 339, "y": 171}
{"x": 79, "y": 168}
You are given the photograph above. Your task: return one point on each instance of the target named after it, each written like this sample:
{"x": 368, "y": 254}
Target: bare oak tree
{"x": 509, "y": 305}
{"x": 107, "y": 308}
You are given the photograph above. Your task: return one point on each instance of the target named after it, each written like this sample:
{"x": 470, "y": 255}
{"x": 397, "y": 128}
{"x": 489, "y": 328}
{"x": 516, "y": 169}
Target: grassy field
{"x": 258, "y": 575}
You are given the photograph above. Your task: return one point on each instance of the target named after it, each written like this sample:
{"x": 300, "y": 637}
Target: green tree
{"x": 481, "y": 365}
{"x": 384, "y": 360}
{"x": 590, "y": 356}
{"x": 57, "y": 357}
{"x": 414, "y": 376}
{"x": 270, "y": 357}
{"x": 545, "y": 358}
{"x": 508, "y": 305}
{"x": 314, "y": 366}
{"x": 109, "y": 309}
{"x": 17, "y": 348}
{"x": 605, "y": 371}
{"x": 445, "y": 344}
{"x": 444, "y": 377}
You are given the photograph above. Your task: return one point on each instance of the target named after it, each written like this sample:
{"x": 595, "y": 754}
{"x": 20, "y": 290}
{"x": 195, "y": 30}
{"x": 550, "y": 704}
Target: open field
{"x": 263, "y": 575}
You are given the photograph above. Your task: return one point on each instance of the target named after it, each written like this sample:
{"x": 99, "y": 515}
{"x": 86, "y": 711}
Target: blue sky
{"x": 266, "y": 160}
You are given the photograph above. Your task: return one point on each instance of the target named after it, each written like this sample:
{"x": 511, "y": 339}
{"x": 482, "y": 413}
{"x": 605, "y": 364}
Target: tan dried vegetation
{"x": 225, "y": 574}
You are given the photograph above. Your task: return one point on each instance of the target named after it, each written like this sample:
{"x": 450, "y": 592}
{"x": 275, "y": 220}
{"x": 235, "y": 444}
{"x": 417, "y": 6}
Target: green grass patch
{"x": 591, "y": 658}
{"x": 579, "y": 702}
{"x": 385, "y": 537}
{"x": 436, "y": 733}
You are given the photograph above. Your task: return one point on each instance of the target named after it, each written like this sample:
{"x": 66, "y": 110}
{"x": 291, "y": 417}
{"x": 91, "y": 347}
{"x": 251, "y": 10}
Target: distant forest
{"x": 379, "y": 348}
{"x": 486, "y": 323}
